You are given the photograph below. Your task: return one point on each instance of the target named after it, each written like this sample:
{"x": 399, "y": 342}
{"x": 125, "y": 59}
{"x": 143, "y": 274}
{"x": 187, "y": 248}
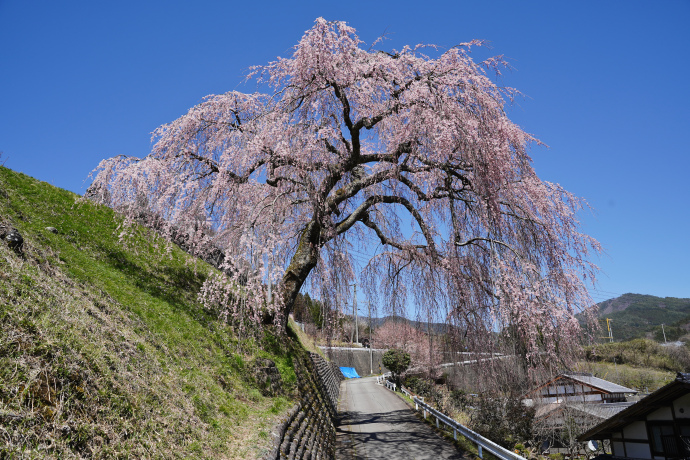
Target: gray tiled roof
{"x": 602, "y": 384}
{"x": 554, "y": 415}
{"x": 603, "y": 411}
{"x": 599, "y": 410}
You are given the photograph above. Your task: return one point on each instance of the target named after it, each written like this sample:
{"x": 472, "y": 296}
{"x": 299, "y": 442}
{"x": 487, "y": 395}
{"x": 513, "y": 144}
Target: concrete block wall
{"x": 359, "y": 358}
{"x": 308, "y": 431}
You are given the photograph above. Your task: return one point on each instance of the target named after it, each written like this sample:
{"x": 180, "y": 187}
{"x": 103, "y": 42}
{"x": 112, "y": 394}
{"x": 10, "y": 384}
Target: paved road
{"x": 377, "y": 424}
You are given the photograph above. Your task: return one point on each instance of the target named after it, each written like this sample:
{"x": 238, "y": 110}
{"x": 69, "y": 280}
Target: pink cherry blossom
{"x": 406, "y": 158}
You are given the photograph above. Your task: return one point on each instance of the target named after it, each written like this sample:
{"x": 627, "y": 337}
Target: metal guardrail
{"x": 352, "y": 348}
{"x": 381, "y": 379}
{"x": 409, "y": 394}
{"x": 479, "y": 440}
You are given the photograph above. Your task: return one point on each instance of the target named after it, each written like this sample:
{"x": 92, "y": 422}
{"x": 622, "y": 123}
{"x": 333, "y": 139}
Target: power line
{"x": 605, "y": 291}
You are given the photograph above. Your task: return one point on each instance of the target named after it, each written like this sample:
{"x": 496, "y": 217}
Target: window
{"x": 684, "y": 432}
{"x": 663, "y": 439}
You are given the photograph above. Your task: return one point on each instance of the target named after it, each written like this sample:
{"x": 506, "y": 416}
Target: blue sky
{"x": 605, "y": 84}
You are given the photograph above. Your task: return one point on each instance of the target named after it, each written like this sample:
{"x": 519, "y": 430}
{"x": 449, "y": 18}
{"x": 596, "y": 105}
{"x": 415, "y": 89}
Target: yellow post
{"x": 608, "y": 327}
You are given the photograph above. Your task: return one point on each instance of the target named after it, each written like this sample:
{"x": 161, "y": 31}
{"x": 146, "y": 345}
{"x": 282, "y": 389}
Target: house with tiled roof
{"x": 570, "y": 403}
{"x": 577, "y": 387}
{"x": 656, "y": 427}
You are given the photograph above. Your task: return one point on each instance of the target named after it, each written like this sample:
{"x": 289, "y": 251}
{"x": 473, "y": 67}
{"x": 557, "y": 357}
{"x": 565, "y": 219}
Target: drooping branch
{"x": 473, "y": 241}
{"x": 385, "y": 240}
{"x": 278, "y": 182}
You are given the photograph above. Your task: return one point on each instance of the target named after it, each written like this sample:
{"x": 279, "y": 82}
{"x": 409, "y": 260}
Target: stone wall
{"x": 308, "y": 430}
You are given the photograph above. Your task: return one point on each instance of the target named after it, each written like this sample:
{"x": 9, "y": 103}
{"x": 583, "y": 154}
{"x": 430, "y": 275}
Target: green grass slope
{"x": 640, "y": 363}
{"x": 104, "y": 350}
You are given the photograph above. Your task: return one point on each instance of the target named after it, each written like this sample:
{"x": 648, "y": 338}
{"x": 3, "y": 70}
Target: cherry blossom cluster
{"x": 405, "y": 158}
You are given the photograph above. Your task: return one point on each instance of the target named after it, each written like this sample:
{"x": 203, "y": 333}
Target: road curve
{"x": 376, "y": 424}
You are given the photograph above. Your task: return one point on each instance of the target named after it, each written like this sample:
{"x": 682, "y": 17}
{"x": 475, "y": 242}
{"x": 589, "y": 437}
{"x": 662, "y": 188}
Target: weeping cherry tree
{"x": 406, "y": 158}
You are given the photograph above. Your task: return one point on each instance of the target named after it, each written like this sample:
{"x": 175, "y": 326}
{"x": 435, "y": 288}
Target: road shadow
{"x": 386, "y": 435}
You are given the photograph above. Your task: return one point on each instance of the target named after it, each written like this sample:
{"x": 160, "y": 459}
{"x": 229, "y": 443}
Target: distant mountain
{"x": 638, "y": 315}
{"x": 632, "y": 316}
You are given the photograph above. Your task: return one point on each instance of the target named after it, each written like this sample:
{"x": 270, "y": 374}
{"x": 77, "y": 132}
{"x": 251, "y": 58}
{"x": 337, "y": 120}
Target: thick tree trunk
{"x": 301, "y": 265}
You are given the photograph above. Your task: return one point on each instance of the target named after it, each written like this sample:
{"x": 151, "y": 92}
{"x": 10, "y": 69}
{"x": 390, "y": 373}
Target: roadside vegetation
{"x": 105, "y": 351}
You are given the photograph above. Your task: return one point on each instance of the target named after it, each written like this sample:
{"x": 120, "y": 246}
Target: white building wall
{"x": 577, "y": 398}
{"x": 661, "y": 414}
{"x": 638, "y": 450}
{"x": 617, "y": 449}
{"x": 636, "y": 430}
{"x": 682, "y": 403}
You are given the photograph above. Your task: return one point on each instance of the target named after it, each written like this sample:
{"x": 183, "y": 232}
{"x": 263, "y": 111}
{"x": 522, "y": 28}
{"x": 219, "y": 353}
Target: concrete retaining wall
{"x": 359, "y": 358}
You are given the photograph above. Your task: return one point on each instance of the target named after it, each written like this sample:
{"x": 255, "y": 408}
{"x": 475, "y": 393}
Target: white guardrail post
{"x": 481, "y": 442}
{"x": 390, "y": 385}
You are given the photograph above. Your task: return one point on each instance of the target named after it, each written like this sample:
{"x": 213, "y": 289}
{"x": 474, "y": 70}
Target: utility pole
{"x": 354, "y": 313}
{"x": 371, "y": 355}
{"x": 354, "y": 307}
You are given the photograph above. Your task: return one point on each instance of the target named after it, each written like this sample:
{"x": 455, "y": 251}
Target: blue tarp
{"x": 349, "y": 372}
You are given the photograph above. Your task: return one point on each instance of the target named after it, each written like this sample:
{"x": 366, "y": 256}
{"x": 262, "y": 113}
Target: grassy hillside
{"x": 640, "y": 363}
{"x": 642, "y": 353}
{"x": 104, "y": 351}
{"x": 637, "y": 315}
